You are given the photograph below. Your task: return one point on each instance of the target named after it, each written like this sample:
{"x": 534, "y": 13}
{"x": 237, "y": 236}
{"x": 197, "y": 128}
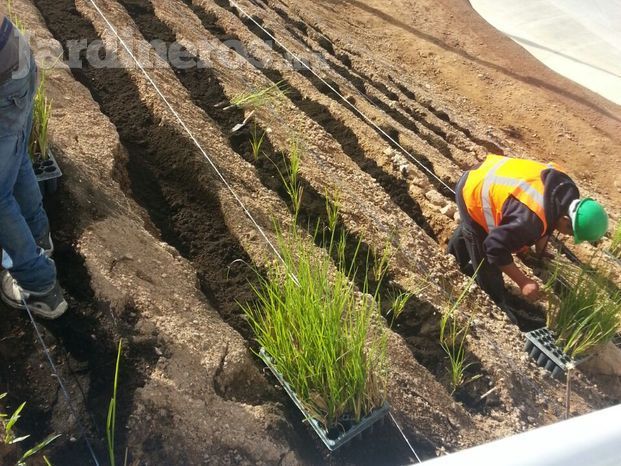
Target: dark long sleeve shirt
{"x": 520, "y": 226}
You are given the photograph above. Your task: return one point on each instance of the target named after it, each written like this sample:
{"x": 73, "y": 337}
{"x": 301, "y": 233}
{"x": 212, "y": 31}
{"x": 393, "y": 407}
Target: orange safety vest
{"x": 488, "y": 187}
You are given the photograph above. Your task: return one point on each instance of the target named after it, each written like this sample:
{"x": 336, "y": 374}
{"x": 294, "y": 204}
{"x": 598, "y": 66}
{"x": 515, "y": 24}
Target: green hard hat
{"x": 589, "y": 220}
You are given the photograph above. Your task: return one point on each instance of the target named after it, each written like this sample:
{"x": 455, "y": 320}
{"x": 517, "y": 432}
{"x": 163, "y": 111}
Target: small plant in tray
{"x": 43, "y": 162}
{"x": 323, "y": 339}
{"x": 42, "y": 110}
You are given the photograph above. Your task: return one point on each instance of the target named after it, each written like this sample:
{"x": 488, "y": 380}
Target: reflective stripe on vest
{"x": 498, "y": 178}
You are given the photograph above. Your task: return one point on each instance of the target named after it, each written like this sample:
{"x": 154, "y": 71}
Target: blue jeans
{"x": 22, "y": 218}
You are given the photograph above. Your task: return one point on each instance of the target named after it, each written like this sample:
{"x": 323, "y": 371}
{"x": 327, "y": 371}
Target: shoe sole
{"x": 49, "y": 315}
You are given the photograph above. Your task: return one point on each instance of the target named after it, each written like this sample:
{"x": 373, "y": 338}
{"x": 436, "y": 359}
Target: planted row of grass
{"x": 326, "y": 338}
{"x": 587, "y": 312}
{"x": 326, "y": 342}
{"x": 258, "y": 98}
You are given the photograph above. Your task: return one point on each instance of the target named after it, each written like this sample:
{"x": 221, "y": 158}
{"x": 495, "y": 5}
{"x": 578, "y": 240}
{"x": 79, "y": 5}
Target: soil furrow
{"x": 442, "y": 115}
{"x": 414, "y": 144}
{"x": 440, "y": 138}
{"x": 450, "y": 134}
{"x": 397, "y": 188}
{"x": 455, "y": 127}
{"x": 431, "y": 133}
{"x": 163, "y": 181}
{"x": 405, "y": 193}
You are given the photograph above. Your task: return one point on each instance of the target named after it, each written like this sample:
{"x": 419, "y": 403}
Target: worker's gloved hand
{"x": 530, "y": 290}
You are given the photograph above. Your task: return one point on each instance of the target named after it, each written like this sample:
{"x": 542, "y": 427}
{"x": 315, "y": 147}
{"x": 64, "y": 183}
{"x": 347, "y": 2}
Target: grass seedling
{"x": 256, "y": 141}
{"x": 14, "y": 18}
{"x": 399, "y": 302}
{"x": 290, "y": 177}
{"x": 8, "y": 423}
{"x": 111, "y": 420}
{"x": 259, "y": 98}
{"x": 453, "y": 339}
{"x": 587, "y": 311}
{"x": 615, "y": 247}
{"x": 326, "y": 339}
{"x": 42, "y": 110}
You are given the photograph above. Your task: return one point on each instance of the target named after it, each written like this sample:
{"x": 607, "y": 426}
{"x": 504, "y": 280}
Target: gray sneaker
{"x": 47, "y": 245}
{"x": 49, "y": 304}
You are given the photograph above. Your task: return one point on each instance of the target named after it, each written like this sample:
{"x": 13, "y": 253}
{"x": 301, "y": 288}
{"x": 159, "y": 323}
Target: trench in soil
{"x": 359, "y": 78}
{"x": 396, "y": 188}
{"x": 344, "y": 57}
{"x": 433, "y": 134}
{"x": 326, "y": 90}
{"x": 490, "y": 146}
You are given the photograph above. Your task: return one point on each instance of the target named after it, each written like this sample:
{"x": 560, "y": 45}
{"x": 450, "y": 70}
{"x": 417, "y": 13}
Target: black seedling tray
{"x": 349, "y": 429}
{"x": 541, "y": 346}
{"x": 47, "y": 172}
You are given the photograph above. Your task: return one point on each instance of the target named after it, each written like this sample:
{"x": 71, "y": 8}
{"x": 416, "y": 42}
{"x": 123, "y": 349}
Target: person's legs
{"x": 31, "y": 270}
{"x": 457, "y": 247}
{"x": 28, "y": 195}
{"x": 489, "y": 277}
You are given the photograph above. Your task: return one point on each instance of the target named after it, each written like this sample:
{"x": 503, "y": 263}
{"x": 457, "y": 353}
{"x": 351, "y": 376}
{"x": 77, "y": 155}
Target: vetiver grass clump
{"x": 326, "y": 338}
{"x": 42, "y": 111}
{"x": 587, "y": 311}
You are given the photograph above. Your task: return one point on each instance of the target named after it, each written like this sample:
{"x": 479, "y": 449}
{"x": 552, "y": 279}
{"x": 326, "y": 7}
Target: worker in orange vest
{"x": 507, "y": 205}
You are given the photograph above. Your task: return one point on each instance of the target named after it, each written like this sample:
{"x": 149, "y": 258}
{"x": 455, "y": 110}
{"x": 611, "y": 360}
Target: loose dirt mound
{"x": 153, "y": 249}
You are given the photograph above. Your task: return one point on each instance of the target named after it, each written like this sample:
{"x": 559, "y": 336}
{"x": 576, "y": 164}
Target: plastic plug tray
{"x": 348, "y": 429}
{"x": 47, "y": 172}
{"x": 541, "y": 346}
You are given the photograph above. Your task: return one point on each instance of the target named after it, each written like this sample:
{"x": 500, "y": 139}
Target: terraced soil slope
{"x": 154, "y": 248}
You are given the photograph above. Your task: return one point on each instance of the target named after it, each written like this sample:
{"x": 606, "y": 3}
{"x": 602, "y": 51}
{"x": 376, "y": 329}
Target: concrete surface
{"x": 580, "y": 39}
